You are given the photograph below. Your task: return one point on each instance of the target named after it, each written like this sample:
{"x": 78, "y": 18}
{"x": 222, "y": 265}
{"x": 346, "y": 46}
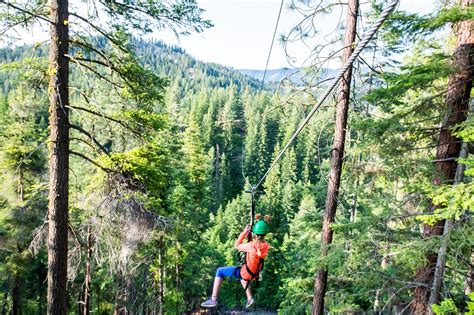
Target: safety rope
{"x": 360, "y": 46}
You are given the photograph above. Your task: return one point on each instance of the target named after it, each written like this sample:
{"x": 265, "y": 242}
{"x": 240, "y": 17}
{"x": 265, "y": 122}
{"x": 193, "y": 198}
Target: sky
{"x": 243, "y": 31}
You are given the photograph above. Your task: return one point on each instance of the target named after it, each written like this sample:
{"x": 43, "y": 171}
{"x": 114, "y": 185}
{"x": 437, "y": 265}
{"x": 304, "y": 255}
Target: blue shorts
{"x": 228, "y": 272}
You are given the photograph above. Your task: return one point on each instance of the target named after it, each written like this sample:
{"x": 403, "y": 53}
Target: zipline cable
{"x": 271, "y": 46}
{"x": 261, "y": 87}
{"x": 365, "y": 40}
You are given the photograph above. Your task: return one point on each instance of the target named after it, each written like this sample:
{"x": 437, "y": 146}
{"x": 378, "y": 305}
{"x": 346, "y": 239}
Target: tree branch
{"x": 78, "y": 239}
{"x": 81, "y": 130}
{"x": 369, "y": 66}
{"x": 85, "y": 142}
{"x": 100, "y": 76}
{"x": 102, "y": 63}
{"x": 99, "y": 30}
{"x": 26, "y": 12}
{"x": 104, "y": 116}
{"x": 107, "y": 170}
{"x": 99, "y": 62}
{"x": 12, "y": 26}
{"x": 90, "y": 47}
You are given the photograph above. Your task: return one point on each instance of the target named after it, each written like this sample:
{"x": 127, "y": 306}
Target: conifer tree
{"x": 449, "y": 146}
{"x": 24, "y": 201}
{"x": 180, "y": 17}
{"x": 336, "y": 156}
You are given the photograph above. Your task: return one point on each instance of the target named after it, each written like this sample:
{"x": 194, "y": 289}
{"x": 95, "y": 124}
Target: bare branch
{"x": 107, "y": 170}
{"x": 90, "y": 47}
{"x": 99, "y": 62}
{"x": 26, "y": 12}
{"x": 100, "y": 76}
{"x": 123, "y": 124}
{"x": 85, "y": 142}
{"x": 81, "y": 130}
{"x": 95, "y": 27}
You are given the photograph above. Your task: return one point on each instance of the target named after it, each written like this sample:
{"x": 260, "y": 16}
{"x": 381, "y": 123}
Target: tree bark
{"x": 80, "y": 300}
{"x": 161, "y": 284}
{"x": 337, "y": 157}
{"x": 218, "y": 177}
{"x": 457, "y": 101}
{"x": 41, "y": 273}
{"x": 469, "y": 277}
{"x": 16, "y": 296}
{"x": 5, "y": 301}
{"x": 87, "y": 280}
{"x": 59, "y": 158}
{"x": 441, "y": 259}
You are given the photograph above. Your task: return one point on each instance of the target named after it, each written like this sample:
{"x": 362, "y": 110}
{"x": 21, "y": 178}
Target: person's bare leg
{"x": 215, "y": 289}
{"x": 247, "y": 292}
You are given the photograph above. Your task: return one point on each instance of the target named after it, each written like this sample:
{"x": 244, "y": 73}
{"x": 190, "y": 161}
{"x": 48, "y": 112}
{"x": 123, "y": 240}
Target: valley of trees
{"x": 124, "y": 163}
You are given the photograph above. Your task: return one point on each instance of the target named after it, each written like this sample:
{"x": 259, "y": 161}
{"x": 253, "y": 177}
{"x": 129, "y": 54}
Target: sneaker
{"x": 249, "y": 303}
{"x": 209, "y": 303}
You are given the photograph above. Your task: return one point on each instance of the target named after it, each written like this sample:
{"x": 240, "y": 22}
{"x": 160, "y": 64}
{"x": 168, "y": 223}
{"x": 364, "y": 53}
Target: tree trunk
{"x": 457, "y": 101}
{"x": 5, "y": 301}
{"x": 469, "y": 277}
{"x": 218, "y": 177}
{"x": 161, "y": 285}
{"x": 98, "y": 300}
{"x": 21, "y": 190}
{"x": 16, "y": 296}
{"x": 155, "y": 295}
{"x": 87, "y": 280}
{"x": 177, "y": 273}
{"x": 441, "y": 259}
{"x": 41, "y": 273}
{"x": 377, "y": 301}
{"x": 59, "y": 158}
{"x": 337, "y": 157}
{"x": 80, "y": 300}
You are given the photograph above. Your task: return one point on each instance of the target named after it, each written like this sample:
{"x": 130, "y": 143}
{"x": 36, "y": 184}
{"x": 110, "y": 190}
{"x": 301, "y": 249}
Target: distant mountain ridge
{"x": 170, "y": 61}
{"x": 273, "y": 75}
{"x": 295, "y": 75}
{"x": 178, "y": 66}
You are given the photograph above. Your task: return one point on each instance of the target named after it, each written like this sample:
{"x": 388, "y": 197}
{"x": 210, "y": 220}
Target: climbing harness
{"x": 253, "y": 276}
{"x": 243, "y": 255}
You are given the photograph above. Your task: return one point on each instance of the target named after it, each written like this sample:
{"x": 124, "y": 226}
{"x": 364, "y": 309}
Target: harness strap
{"x": 253, "y": 275}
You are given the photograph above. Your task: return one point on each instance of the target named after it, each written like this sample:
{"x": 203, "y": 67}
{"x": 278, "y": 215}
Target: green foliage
{"x": 470, "y": 304}
{"x": 445, "y": 307}
{"x": 403, "y": 27}
{"x": 23, "y": 197}
{"x": 454, "y": 201}
{"x": 181, "y": 140}
{"x": 180, "y": 16}
{"x": 141, "y": 84}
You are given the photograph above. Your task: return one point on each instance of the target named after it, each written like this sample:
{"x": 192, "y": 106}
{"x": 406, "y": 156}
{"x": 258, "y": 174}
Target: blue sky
{"x": 243, "y": 31}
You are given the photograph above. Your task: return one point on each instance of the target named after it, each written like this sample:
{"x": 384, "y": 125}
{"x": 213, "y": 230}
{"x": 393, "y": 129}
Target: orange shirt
{"x": 255, "y": 251}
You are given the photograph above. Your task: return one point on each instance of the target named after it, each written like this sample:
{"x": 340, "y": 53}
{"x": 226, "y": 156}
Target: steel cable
{"x": 360, "y": 46}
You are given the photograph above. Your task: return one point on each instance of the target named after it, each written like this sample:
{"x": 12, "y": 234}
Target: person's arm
{"x": 239, "y": 242}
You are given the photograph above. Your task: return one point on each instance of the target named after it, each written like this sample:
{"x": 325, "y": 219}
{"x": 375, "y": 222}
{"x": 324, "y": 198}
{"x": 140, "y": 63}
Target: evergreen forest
{"x": 126, "y": 163}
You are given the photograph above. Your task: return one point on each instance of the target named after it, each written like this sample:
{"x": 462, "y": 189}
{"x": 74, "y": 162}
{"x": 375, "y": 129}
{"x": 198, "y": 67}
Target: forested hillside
{"x": 162, "y": 148}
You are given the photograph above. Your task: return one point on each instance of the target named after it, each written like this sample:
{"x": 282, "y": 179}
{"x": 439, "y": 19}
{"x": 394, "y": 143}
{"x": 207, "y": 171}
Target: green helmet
{"x": 260, "y": 228}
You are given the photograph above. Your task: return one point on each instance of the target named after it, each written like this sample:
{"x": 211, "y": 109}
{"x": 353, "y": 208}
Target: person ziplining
{"x": 255, "y": 250}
